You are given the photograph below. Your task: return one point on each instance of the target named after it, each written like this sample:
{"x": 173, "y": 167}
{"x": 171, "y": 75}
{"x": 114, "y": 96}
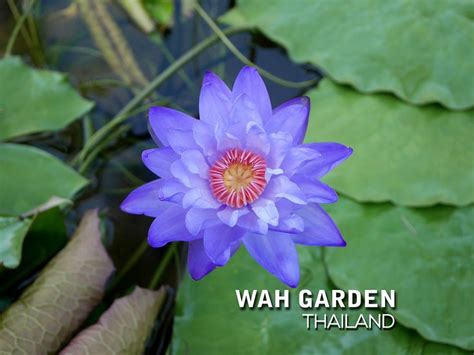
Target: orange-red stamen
{"x": 238, "y": 177}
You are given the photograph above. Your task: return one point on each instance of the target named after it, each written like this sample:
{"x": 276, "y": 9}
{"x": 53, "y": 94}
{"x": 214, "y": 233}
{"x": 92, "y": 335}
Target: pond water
{"x": 69, "y": 47}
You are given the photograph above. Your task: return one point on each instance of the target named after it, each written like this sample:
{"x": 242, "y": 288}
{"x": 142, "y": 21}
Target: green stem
{"x": 177, "y": 261}
{"x": 103, "y": 83}
{"x": 87, "y": 128}
{"x": 156, "y": 38}
{"x": 137, "y": 254}
{"x": 222, "y": 36}
{"x": 127, "y": 173}
{"x": 99, "y": 147}
{"x": 168, "y": 72}
{"x": 161, "y": 268}
{"x": 16, "y": 30}
{"x": 120, "y": 190}
{"x": 76, "y": 49}
{"x": 16, "y": 15}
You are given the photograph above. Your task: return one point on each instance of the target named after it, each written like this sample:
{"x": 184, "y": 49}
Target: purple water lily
{"x": 239, "y": 175}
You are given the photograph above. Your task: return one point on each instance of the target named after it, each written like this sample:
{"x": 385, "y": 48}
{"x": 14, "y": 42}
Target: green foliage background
{"x": 399, "y": 90}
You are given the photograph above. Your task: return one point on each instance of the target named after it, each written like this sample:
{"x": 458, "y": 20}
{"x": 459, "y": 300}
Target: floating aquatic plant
{"x": 239, "y": 175}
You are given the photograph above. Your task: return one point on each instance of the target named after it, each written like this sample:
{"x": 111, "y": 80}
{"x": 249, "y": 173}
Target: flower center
{"x": 238, "y": 178}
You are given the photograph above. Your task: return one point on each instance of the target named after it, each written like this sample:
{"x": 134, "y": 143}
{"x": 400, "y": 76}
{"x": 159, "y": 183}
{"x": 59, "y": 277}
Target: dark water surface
{"x": 68, "y": 47}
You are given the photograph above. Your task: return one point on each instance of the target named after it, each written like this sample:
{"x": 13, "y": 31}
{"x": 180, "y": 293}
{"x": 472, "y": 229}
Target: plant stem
{"x": 98, "y": 148}
{"x": 16, "y": 15}
{"x": 161, "y": 78}
{"x": 161, "y": 268}
{"x": 156, "y": 38}
{"x": 18, "y": 26}
{"x": 127, "y": 173}
{"x": 137, "y": 254}
{"x": 87, "y": 128}
{"x": 235, "y": 51}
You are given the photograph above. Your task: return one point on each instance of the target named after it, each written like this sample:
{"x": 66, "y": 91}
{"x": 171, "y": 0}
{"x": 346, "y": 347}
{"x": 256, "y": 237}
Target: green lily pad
{"x": 162, "y": 11}
{"x": 414, "y": 156}
{"x": 12, "y": 233}
{"x": 33, "y": 100}
{"x": 426, "y": 255}
{"x": 45, "y": 237}
{"x": 209, "y": 321}
{"x": 29, "y": 177}
{"x": 417, "y": 50}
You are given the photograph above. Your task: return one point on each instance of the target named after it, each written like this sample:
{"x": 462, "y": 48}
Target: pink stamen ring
{"x": 238, "y": 177}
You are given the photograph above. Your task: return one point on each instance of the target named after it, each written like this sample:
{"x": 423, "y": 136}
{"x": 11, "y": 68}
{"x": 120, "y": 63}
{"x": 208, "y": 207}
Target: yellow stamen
{"x": 238, "y": 176}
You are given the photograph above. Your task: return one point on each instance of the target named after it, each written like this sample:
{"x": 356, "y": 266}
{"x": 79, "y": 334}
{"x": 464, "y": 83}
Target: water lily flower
{"x": 241, "y": 174}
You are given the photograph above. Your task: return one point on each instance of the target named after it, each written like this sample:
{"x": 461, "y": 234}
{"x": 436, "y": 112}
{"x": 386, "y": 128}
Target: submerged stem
{"x": 137, "y": 254}
{"x": 160, "y": 79}
{"x": 161, "y": 268}
{"x": 16, "y": 16}
{"x": 18, "y": 26}
{"x": 98, "y": 148}
{"x": 235, "y": 51}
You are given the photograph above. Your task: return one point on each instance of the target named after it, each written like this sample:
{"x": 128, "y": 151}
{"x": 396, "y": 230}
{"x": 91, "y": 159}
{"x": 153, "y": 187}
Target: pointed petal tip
{"x": 154, "y": 111}
{"x": 196, "y": 277}
{"x": 127, "y": 205}
{"x": 291, "y": 280}
{"x": 209, "y": 77}
{"x": 338, "y": 241}
{"x": 248, "y": 67}
{"x": 305, "y": 100}
{"x": 292, "y": 284}
{"x": 123, "y": 206}
{"x": 153, "y": 242}
{"x": 248, "y": 70}
{"x": 145, "y": 154}
{"x": 342, "y": 243}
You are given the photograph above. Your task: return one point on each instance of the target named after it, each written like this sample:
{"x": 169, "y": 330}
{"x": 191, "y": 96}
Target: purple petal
{"x": 243, "y": 112}
{"x": 181, "y": 140}
{"x": 218, "y": 241}
{"x": 265, "y": 210}
{"x": 290, "y": 224}
{"x": 200, "y": 198}
{"x": 148, "y": 199}
{"x": 205, "y": 138}
{"x": 250, "y": 222}
{"x": 256, "y": 139}
{"x": 199, "y": 264}
{"x": 332, "y": 154}
{"x": 197, "y": 218}
{"x": 282, "y": 187}
{"x": 297, "y": 156}
{"x": 159, "y": 160}
{"x": 276, "y": 252}
{"x": 162, "y": 119}
{"x": 250, "y": 83}
{"x": 194, "y": 161}
{"x": 319, "y": 229}
{"x": 214, "y": 101}
{"x": 291, "y": 117}
{"x": 187, "y": 178}
{"x": 315, "y": 190}
{"x": 230, "y": 216}
{"x": 226, "y": 140}
{"x": 280, "y": 144}
{"x": 169, "y": 226}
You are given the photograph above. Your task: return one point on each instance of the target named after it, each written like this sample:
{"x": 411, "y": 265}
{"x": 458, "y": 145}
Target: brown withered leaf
{"x": 123, "y": 328}
{"x": 56, "y": 304}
